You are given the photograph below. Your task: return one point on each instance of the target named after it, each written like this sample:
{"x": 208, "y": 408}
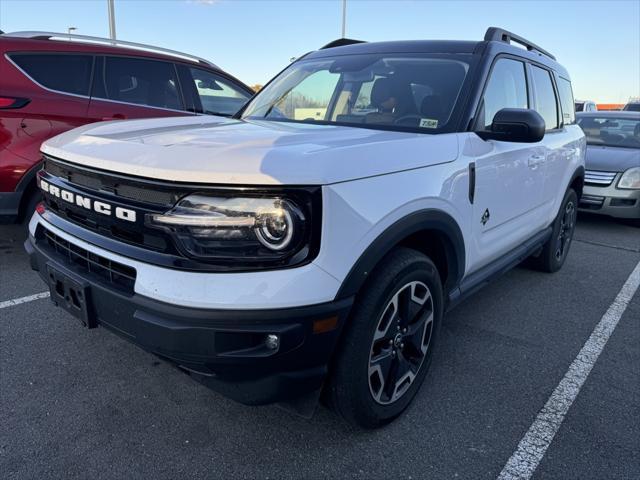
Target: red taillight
{"x": 13, "y": 102}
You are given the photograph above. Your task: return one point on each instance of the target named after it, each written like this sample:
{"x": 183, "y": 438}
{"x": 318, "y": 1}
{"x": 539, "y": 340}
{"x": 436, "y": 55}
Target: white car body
{"x": 432, "y": 169}
{"x": 253, "y": 251}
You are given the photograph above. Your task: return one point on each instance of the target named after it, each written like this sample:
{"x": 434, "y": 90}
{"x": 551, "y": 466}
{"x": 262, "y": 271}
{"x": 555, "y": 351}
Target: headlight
{"x": 630, "y": 179}
{"x": 247, "y": 230}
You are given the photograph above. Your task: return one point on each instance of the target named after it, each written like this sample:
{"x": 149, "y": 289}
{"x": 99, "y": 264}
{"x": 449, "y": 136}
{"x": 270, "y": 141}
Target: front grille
{"x": 115, "y": 274}
{"x": 123, "y": 187}
{"x": 599, "y": 178}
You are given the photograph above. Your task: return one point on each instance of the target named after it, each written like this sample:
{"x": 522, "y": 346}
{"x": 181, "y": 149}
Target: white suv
{"x": 313, "y": 243}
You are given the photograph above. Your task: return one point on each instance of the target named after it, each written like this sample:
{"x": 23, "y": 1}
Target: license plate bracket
{"x": 72, "y": 295}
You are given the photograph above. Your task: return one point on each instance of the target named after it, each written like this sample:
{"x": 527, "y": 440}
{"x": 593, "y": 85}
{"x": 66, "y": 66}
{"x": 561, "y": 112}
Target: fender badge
{"x": 485, "y": 217}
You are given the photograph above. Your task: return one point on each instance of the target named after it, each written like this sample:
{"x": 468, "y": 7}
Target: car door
{"x": 547, "y": 105}
{"x": 132, "y": 87}
{"x": 554, "y": 102}
{"x": 509, "y": 175}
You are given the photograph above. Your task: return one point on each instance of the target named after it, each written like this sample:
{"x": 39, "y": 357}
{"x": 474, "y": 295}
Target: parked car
{"x": 586, "y": 106}
{"x": 287, "y": 254}
{"x": 612, "y": 178}
{"x": 51, "y": 83}
{"x": 632, "y": 105}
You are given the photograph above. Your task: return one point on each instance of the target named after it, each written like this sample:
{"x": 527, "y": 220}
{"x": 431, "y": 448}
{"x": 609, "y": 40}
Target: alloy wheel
{"x": 400, "y": 342}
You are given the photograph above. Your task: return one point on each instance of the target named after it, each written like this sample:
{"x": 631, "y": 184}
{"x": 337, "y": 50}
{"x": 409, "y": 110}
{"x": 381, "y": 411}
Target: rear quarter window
{"x": 61, "y": 72}
{"x": 566, "y": 101}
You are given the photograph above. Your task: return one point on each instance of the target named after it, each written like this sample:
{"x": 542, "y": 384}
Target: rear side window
{"x": 64, "y": 73}
{"x": 217, "y": 95}
{"x": 546, "y": 104}
{"x": 566, "y": 101}
{"x": 507, "y": 88}
{"x": 142, "y": 82}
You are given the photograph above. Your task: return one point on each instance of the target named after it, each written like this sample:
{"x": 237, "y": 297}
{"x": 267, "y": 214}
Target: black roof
{"x": 496, "y": 41}
{"x": 399, "y": 46}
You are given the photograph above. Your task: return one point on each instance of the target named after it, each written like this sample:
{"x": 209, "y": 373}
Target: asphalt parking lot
{"x": 84, "y": 404}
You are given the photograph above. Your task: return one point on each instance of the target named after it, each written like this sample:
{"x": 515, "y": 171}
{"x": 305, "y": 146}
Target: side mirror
{"x": 515, "y": 125}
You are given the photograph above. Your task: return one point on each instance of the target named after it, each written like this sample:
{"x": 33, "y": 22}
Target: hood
{"x": 225, "y": 151}
{"x": 611, "y": 159}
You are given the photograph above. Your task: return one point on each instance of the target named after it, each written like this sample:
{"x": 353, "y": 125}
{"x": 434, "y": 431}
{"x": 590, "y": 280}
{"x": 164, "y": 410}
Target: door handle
{"x": 535, "y": 160}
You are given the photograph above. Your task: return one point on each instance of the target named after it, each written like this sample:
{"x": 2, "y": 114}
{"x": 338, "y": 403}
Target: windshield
{"x": 391, "y": 91}
{"x": 611, "y": 131}
{"x": 632, "y": 107}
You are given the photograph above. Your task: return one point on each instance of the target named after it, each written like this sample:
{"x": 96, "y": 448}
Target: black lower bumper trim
{"x": 224, "y": 349}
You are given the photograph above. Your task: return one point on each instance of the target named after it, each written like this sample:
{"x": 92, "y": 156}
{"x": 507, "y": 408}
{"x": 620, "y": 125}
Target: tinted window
{"x": 566, "y": 101}
{"x": 579, "y": 106}
{"x": 632, "y": 107}
{"x": 545, "y": 97}
{"x": 217, "y": 95}
{"x": 395, "y": 91}
{"x": 144, "y": 82}
{"x": 65, "y": 73}
{"x": 507, "y": 88}
{"x": 611, "y": 131}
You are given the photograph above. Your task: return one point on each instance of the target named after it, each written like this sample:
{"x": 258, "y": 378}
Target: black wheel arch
{"x": 27, "y": 185}
{"x": 430, "y": 231}
{"x": 577, "y": 181}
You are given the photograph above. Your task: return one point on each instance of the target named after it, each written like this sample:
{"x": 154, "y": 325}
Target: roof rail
{"x": 500, "y": 35}
{"x": 35, "y": 35}
{"x": 341, "y": 42}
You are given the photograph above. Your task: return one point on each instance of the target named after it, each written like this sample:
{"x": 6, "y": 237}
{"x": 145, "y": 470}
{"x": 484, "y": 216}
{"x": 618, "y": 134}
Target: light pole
{"x": 344, "y": 18}
{"x": 112, "y": 20}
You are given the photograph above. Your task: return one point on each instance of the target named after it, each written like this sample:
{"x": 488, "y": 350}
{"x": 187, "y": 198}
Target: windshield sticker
{"x": 428, "y": 123}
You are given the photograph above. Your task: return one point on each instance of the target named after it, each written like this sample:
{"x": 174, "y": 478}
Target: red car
{"x": 50, "y": 83}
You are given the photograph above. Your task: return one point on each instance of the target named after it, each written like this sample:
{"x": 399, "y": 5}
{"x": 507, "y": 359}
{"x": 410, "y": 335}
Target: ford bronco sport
{"x": 308, "y": 247}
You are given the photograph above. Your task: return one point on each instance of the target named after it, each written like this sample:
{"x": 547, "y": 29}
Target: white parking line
{"x": 534, "y": 444}
{"x": 18, "y": 301}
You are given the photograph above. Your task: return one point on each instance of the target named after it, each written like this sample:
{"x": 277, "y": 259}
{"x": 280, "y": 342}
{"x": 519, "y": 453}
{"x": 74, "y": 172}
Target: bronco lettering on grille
{"x": 87, "y": 203}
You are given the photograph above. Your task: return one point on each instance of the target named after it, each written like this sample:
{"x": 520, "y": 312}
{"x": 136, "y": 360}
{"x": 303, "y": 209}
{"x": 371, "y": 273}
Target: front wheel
{"x": 555, "y": 250}
{"x": 388, "y": 341}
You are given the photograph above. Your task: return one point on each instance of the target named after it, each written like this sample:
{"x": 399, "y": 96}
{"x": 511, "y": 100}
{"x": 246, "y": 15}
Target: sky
{"x": 597, "y": 41}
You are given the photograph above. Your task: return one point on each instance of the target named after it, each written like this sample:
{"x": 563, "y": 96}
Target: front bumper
{"x": 611, "y": 201}
{"x": 224, "y": 349}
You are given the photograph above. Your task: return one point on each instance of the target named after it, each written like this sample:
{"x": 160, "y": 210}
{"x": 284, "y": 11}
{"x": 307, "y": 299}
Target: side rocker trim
{"x": 478, "y": 279}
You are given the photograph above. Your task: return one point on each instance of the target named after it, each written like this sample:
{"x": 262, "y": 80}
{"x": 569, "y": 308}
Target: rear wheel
{"x": 555, "y": 250}
{"x": 388, "y": 342}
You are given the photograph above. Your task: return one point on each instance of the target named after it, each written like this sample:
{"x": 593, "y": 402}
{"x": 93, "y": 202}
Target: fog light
{"x": 272, "y": 342}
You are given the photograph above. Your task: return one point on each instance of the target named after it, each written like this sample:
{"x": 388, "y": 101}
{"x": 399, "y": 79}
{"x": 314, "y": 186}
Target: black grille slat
{"x": 122, "y": 187}
{"x": 113, "y": 273}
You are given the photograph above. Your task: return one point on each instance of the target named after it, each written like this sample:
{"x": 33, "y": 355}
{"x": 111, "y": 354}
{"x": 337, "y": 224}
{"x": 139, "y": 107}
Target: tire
{"x": 555, "y": 250}
{"x": 356, "y": 387}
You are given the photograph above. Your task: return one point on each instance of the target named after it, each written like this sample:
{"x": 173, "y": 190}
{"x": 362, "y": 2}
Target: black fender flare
{"x": 28, "y": 179}
{"x": 429, "y": 219}
{"x": 578, "y": 173}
